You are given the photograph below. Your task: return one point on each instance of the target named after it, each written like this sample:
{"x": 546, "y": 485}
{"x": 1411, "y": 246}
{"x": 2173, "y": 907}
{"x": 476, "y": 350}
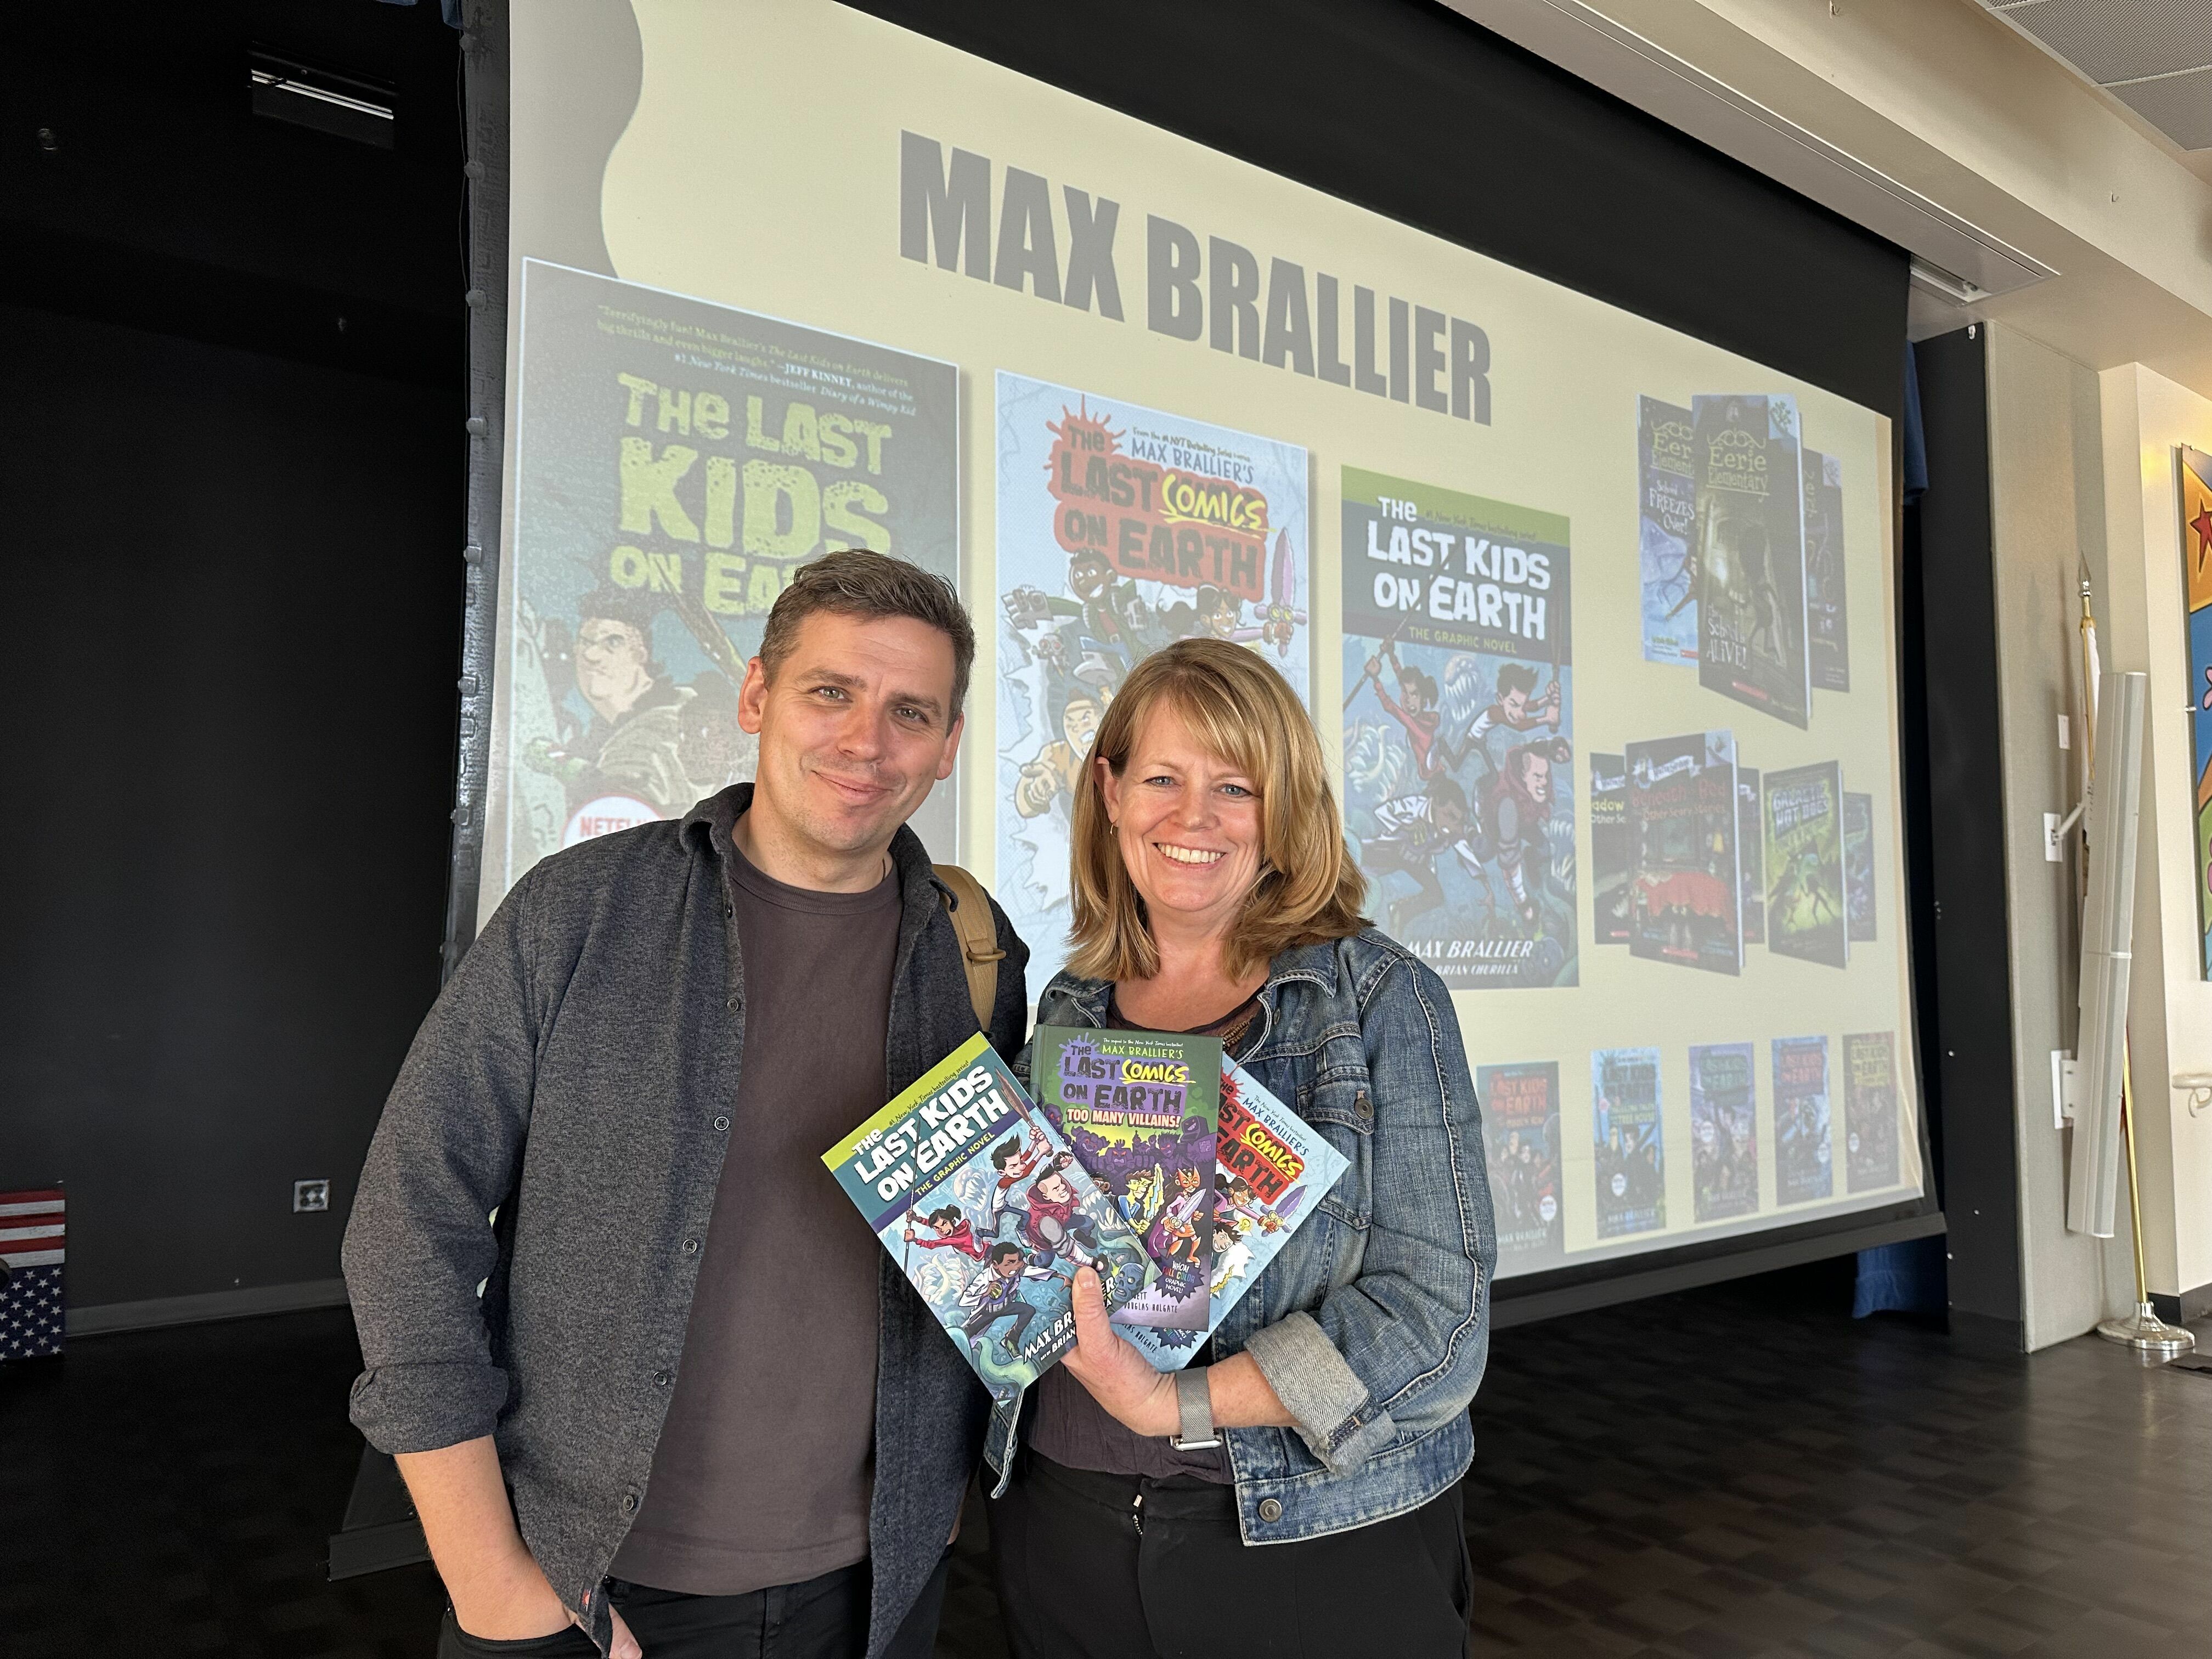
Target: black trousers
{"x": 825, "y": 1618}
{"x": 1101, "y": 1566}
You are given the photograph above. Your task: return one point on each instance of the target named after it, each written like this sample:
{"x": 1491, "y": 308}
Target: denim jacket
{"x": 1373, "y": 1323}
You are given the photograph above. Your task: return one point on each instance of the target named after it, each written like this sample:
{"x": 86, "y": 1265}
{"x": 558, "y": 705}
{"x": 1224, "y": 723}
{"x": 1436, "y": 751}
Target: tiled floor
{"x": 1714, "y": 1474}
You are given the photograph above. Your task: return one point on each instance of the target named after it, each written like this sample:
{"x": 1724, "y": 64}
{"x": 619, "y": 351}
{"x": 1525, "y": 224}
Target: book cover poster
{"x": 675, "y": 462}
{"x": 1871, "y": 1148}
{"x": 1804, "y": 1163}
{"x": 1687, "y": 884}
{"x": 1611, "y": 865}
{"x": 1631, "y": 1168}
{"x": 1805, "y": 865}
{"x": 1723, "y": 1131}
{"x": 1751, "y": 555}
{"x": 1458, "y": 728}
{"x": 1858, "y": 866}
{"x": 1139, "y": 1109}
{"x": 1751, "y": 853}
{"x": 1828, "y": 621}
{"x": 1521, "y": 1136}
{"x": 1666, "y": 505}
{"x": 1121, "y": 528}
{"x": 989, "y": 1213}
{"x": 1271, "y": 1168}
{"x": 2196, "y": 476}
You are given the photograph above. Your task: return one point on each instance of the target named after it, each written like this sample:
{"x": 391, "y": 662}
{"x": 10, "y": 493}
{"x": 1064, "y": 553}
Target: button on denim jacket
{"x": 1373, "y": 1323}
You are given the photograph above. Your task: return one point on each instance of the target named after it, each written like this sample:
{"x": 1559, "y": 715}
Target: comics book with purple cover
{"x": 1139, "y": 1109}
{"x": 988, "y": 1213}
{"x": 1271, "y": 1168}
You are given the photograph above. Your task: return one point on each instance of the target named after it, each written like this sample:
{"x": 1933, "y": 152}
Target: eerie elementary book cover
{"x": 1751, "y": 555}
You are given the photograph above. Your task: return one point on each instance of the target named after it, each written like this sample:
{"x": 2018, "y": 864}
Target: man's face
{"x": 611, "y": 658}
{"x": 1053, "y": 1187}
{"x": 1450, "y": 816}
{"x": 1513, "y": 703}
{"x": 1537, "y": 778}
{"x": 1088, "y": 577}
{"x": 855, "y": 727}
{"x": 1078, "y": 723}
{"x": 1006, "y": 1266}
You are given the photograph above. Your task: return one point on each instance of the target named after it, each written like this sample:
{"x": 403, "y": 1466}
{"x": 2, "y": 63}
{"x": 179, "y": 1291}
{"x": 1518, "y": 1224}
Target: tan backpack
{"x": 970, "y": 907}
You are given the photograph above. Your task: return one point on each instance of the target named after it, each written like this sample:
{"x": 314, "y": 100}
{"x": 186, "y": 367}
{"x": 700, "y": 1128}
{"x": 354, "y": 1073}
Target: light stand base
{"x": 2147, "y": 1334}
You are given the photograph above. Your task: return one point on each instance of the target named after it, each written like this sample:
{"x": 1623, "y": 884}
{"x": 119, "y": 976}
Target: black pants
{"x": 825, "y": 1618}
{"x": 1087, "y": 1571}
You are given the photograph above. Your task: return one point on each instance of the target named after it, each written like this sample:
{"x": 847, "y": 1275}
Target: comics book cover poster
{"x": 1750, "y": 847}
{"x": 2194, "y": 471}
{"x": 1666, "y": 503}
{"x": 1611, "y": 863}
{"x": 1271, "y": 1168}
{"x": 1682, "y": 834}
{"x": 1828, "y": 620}
{"x": 1121, "y": 528}
{"x": 989, "y": 1213}
{"x": 1751, "y": 555}
{"x": 676, "y": 461}
{"x": 1805, "y": 865}
{"x": 1803, "y": 1161}
{"x": 1631, "y": 1168}
{"x": 1870, "y": 1155}
{"x": 1858, "y": 866}
{"x": 1458, "y": 728}
{"x": 1723, "y": 1131}
{"x": 1521, "y": 1135}
{"x": 1140, "y": 1108}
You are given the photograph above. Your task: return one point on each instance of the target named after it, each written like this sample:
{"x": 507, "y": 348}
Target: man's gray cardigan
{"x": 572, "y": 1076}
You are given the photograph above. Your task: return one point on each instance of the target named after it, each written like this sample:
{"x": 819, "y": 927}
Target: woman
{"x": 1213, "y": 893}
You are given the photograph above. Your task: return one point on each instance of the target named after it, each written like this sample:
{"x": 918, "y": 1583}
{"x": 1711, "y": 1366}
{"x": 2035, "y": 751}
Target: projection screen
{"x": 1595, "y": 619}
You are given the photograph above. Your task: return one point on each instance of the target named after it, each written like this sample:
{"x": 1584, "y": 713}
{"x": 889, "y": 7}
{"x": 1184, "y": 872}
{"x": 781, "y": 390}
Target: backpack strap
{"x": 970, "y": 907}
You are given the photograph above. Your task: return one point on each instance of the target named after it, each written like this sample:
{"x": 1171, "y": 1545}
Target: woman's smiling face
{"x": 1187, "y": 823}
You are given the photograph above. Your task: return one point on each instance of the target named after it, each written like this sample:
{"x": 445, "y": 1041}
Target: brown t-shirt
{"x": 1070, "y": 1427}
{"x": 761, "y": 1473}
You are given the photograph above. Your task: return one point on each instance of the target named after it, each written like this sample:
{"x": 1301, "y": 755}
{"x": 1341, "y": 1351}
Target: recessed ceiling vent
{"x": 307, "y": 96}
{"x": 2154, "y": 56}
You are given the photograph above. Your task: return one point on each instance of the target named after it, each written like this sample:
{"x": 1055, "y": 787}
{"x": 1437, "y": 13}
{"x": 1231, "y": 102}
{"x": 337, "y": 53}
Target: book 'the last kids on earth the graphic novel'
{"x": 988, "y": 1213}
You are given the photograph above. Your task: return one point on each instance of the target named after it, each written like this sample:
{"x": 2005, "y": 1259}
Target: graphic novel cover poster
{"x": 675, "y": 462}
{"x": 1803, "y": 1161}
{"x": 1682, "y": 834}
{"x": 1271, "y": 1170}
{"x": 1121, "y": 528}
{"x": 1858, "y": 866}
{"x": 1666, "y": 505}
{"x": 2195, "y": 471}
{"x": 1139, "y": 1109}
{"x": 1632, "y": 1170}
{"x": 1751, "y": 555}
{"x": 988, "y": 1213}
{"x": 1870, "y": 1110}
{"x": 1723, "y": 1131}
{"x": 1521, "y": 1135}
{"x": 1611, "y": 860}
{"x": 1805, "y": 865}
{"x": 1458, "y": 725}
{"x": 1827, "y": 619}
{"x": 1751, "y": 853}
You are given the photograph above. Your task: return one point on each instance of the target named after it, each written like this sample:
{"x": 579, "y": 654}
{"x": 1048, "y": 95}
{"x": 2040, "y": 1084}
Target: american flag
{"x": 32, "y": 1228}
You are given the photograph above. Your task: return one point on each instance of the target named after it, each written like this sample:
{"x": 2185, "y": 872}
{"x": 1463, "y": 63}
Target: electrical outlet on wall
{"x": 311, "y": 1195}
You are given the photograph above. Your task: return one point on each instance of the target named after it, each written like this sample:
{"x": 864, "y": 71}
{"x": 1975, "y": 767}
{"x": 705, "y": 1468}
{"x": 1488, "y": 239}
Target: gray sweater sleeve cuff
{"x": 414, "y": 1408}
{"x": 1321, "y": 1391}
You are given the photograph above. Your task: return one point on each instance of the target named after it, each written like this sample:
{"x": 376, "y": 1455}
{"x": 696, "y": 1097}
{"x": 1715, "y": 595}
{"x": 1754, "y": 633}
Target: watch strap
{"x": 1194, "y": 1408}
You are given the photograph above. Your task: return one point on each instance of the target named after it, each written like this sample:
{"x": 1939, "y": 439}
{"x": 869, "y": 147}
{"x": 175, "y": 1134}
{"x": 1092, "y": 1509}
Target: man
{"x": 1519, "y": 804}
{"x": 635, "y": 743}
{"x": 1412, "y": 832}
{"x": 1053, "y": 772}
{"x": 707, "y": 1450}
{"x": 995, "y": 1294}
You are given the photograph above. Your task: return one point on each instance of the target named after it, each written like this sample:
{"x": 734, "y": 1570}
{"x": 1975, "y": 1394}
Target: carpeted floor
{"x": 1711, "y": 1475}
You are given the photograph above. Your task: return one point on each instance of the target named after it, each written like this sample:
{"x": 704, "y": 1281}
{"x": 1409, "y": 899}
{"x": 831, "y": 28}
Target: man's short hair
{"x": 1515, "y": 676}
{"x": 857, "y": 582}
{"x": 1000, "y": 1252}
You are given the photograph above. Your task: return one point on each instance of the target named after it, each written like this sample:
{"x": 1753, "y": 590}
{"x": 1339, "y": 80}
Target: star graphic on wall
{"x": 2202, "y": 524}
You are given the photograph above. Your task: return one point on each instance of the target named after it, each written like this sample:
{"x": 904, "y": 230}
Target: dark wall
{"x": 230, "y": 569}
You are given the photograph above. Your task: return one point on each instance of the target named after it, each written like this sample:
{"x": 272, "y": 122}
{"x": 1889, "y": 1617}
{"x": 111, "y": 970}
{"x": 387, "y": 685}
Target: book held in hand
{"x": 1271, "y": 1169}
{"x": 988, "y": 1213}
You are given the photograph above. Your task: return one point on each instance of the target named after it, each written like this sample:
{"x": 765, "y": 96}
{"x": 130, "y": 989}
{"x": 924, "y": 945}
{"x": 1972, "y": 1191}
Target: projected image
{"x": 1667, "y": 514}
{"x": 1803, "y": 1160}
{"x": 1750, "y": 541}
{"x": 676, "y": 462}
{"x": 1120, "y": 529}
{"x": 1458, "y": 729}
{"x": 1870, "y": 1110}
{"x": 1632, "y": 1170}
{"x": 1521, "y": 1139}
{"x": 1805, "y": 900}
{"x": 1682, "y": 834}
{"x": 1828, "y": 621}
{"x": 1723, "y": 1131}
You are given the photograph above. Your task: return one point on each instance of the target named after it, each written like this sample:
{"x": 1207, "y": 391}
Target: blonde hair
{"x": 1309, "y": 891}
